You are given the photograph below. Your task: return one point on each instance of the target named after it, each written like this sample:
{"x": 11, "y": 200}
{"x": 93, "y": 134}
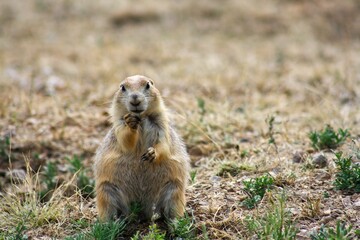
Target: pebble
{"x": 326, "y": 219}
{"x": 294, "y": 211}
{"x": 319, "y": 160}
{"x": 303, "y": 194}
{"x": 18, "y": 174}
{"x": 195, "y": 151}
{"x": 298, "y": 157}
{"x": 327, "y": 211}
{"x": 346, "y": 201}
{"x": 216, "y": 181}
{"x": 357, "y": 204}
{"x": 323, "y": 175}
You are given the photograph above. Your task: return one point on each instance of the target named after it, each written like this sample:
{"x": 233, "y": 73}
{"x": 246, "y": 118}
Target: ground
{"x": 225, "y": 69}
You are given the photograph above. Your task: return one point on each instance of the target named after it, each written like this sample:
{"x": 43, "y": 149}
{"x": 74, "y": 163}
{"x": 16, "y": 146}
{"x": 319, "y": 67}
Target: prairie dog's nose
{"x": 135, "y": 101}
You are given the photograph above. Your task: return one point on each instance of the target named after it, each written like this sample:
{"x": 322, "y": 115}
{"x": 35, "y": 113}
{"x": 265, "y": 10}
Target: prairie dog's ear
{"x": 122, "y": 87}
{"x": 151, "y": 81}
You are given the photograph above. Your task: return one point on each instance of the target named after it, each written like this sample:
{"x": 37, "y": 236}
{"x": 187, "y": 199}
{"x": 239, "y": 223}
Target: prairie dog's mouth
{"x": 139, "y": 108}
{"x": 137, "y": 111}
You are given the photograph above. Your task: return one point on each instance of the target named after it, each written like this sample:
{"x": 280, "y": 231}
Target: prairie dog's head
{"x": 136, "y": 94}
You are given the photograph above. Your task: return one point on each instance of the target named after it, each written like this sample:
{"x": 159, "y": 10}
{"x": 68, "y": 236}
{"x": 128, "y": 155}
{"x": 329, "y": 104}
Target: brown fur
{"x": 141, "y": 159}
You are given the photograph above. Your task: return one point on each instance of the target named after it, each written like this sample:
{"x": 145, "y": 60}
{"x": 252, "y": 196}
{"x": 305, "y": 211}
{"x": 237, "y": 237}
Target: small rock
{"x": 323, "y": 175}
{"x": 303, "y": 234}
{"x": 195, "y": 151}
{"x": 303, "y": 194}
{"x": 203, "y": 203}
{"x": 215, "y": 179}
{"x": 200, "y": 150}
{"x": 357, "y": 204}
{"x": 18, "y": 174}
{"x": 326, "y": 219}
{"x": 244, "y": 140}
{"x": 319, "y": 160}
{"x": 298, "y": 157}
{"x": 54, "y": 83}
{"x": 346, "y": 201}
{"x": 327, "y": 211}
{"x": 310, "y": 150}
{"x": 294, "y": 211}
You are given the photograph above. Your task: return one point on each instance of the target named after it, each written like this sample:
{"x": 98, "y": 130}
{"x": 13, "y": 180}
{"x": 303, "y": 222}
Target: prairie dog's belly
{"x": 141, "y": 180}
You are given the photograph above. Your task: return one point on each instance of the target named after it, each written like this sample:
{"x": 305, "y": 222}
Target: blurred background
{"x": 87, "y": 42}
{"x": 63, "y": 60}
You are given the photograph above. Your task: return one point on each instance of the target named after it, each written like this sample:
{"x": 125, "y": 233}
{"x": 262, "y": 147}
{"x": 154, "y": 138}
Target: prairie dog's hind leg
{"x": 171, "y": 203}
{"x": 111, "y": 201}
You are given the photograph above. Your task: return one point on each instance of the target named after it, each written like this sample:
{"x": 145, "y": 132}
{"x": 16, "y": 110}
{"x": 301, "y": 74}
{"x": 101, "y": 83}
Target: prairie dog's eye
{"x": 147, "y": 86}
{"x": 122, "y": 87}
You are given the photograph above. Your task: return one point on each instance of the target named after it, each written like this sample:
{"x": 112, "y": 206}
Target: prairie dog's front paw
{"x": 149, "y": 155}
{"x": 132, "y": 120}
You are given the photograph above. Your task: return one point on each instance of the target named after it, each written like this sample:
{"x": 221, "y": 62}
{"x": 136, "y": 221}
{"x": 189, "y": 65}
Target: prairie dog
{"x": 142, "y": 159}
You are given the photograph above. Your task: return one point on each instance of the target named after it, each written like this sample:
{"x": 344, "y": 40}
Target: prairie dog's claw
{"x": 149, "y": 155}
{"x": 132, "y": 120}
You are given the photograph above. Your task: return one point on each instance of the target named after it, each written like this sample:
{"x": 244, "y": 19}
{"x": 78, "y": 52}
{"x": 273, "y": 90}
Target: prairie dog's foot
{"x": 149, "y": 155}
{"x": 132, "y": 120}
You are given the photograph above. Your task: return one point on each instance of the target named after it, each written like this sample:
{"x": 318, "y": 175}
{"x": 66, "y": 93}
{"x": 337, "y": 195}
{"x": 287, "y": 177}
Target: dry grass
{"x": 22, "y": 208}
{"x": 222, "y": 68}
